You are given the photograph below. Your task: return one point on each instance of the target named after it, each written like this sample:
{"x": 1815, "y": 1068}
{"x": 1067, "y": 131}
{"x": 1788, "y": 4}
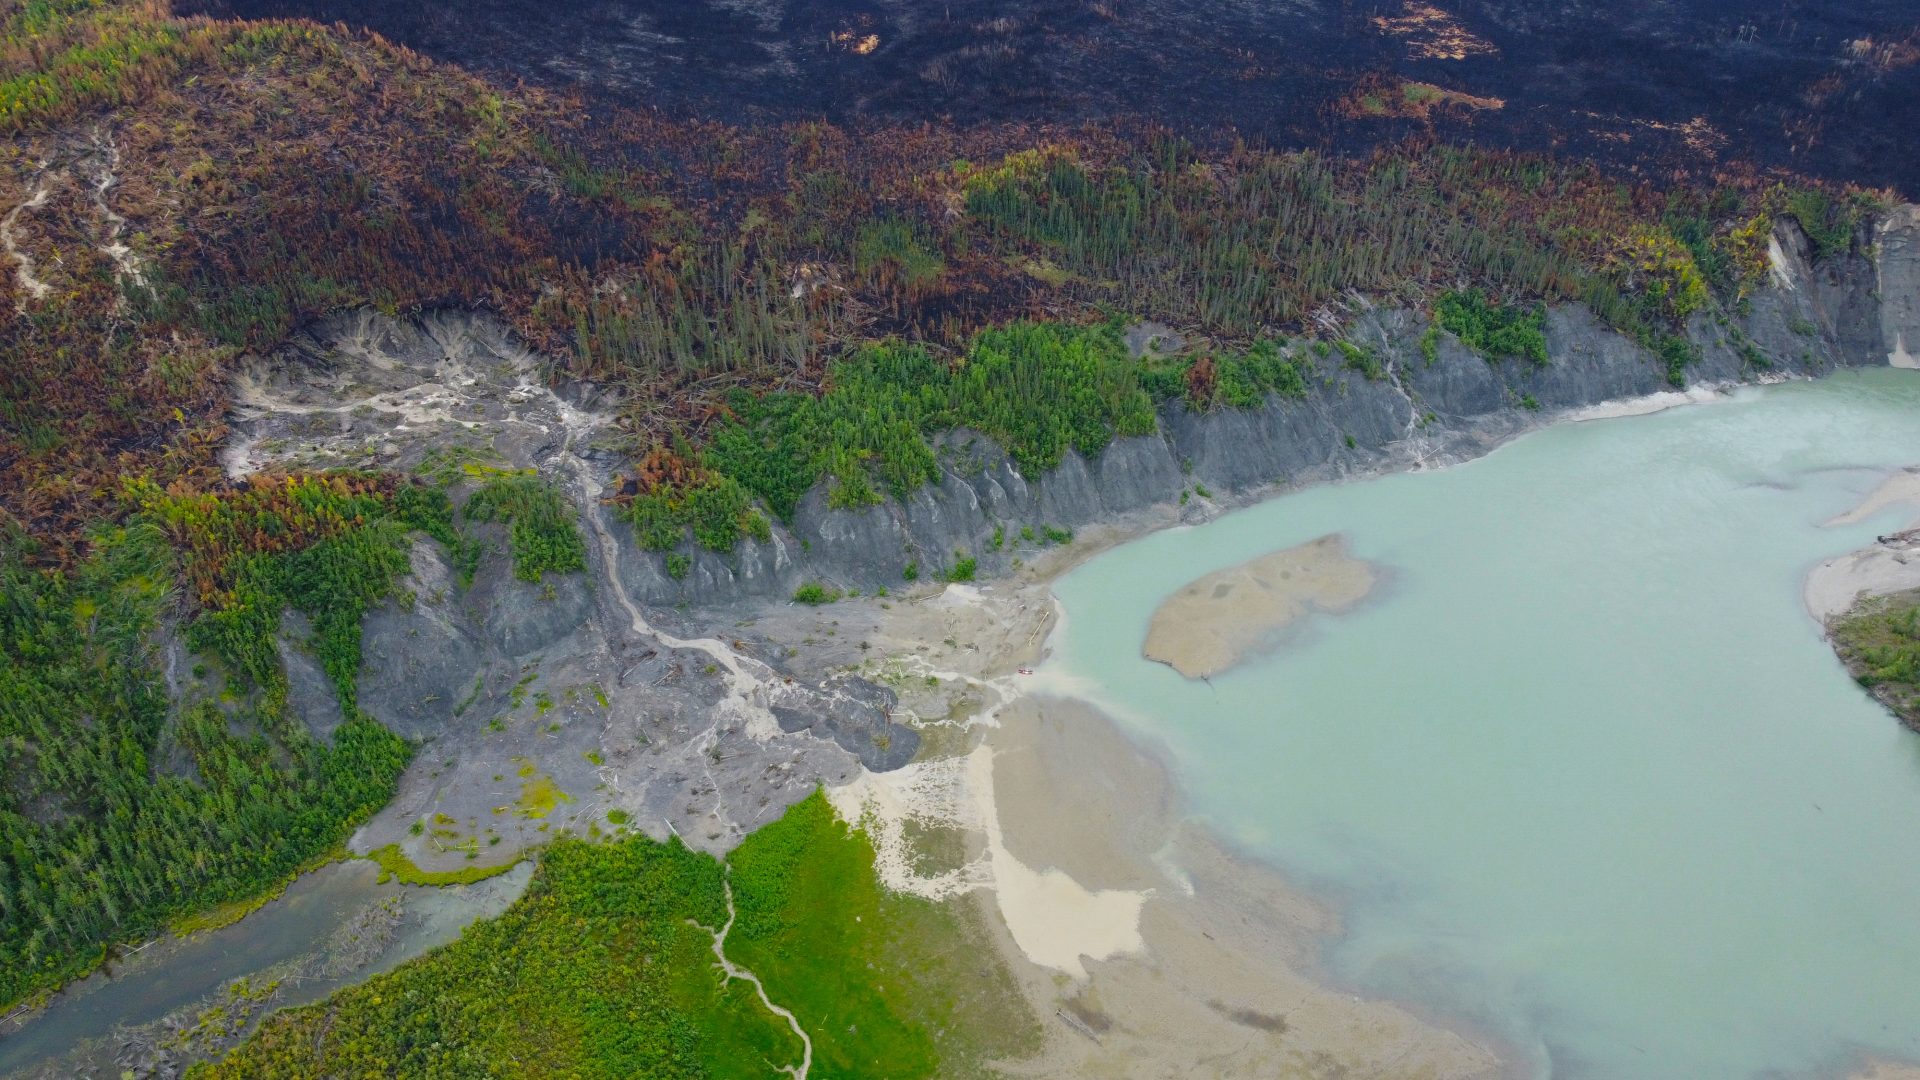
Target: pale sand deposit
{"x": 1217, "y": 986}
{"x": 1145, "y": 949}
{"x": 1900, "y": 489}
{"x": 1649, "y": 404}
{"x": 1887, "y": 1070}
{"x": 1215, "y": 621}
{"x": 1889, "y": 566}
{"x": 1054, "y": 919}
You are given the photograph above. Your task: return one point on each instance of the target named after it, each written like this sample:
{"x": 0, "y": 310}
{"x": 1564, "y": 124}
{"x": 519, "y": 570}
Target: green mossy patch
{"x": 1879, "y": 641}
{"x": 394, "y": 865}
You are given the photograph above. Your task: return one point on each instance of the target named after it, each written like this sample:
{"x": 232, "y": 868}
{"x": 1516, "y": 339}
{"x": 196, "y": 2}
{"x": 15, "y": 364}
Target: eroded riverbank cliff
{"x": 528, "y": 687}
{"x": 1816, "y": 317}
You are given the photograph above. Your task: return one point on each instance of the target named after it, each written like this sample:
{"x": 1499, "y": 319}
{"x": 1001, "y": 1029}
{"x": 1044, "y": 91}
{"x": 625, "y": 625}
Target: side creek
{"x": 180, "y": 997}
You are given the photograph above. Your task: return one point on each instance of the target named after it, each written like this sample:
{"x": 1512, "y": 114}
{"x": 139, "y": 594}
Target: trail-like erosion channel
{"x": 735, "y": 971}
{"x": 23, "y": 263}
{"x": 746, "y": 692}
{"x": 107, "y": 154}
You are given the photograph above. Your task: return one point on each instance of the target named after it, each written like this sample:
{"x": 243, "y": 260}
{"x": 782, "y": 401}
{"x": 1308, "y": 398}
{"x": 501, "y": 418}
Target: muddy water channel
{"x": 179, "y": 998}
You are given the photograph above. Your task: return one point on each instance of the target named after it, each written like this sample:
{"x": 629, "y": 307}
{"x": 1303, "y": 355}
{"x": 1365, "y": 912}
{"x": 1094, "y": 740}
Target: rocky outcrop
{"x": 310, "y": 693}
{"x": 857, "y": 715}
{"x": 1898, "y": 242}
{"x": 420, "y": 657}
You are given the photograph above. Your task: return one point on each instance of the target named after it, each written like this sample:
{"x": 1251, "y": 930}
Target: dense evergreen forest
{"x": 125, "y": 809}
{"x": 130, "y": 808}
{"x": 778, "y": 306}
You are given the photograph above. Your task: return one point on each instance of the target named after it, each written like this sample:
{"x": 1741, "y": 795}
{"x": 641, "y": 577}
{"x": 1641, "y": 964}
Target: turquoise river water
{"x": 1582, "y": 772}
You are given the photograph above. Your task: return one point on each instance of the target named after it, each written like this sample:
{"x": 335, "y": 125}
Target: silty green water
{"x": 1583, "y": 770}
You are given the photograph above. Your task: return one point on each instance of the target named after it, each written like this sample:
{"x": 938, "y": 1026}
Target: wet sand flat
{"x": 1220, "y": 981}
{"x": 1215, "y": 621}
{"x": 1888, "y": 566}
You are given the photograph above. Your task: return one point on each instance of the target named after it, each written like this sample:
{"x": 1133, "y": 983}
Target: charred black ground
{"x": 1823, "y": 88}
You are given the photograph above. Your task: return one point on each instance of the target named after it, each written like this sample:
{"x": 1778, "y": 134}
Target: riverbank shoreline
{"x": 1859, "y": 597}
{"x": 1146, "y": 945}
{"x": 1889, "y": 565}
{"x": 1074, "y": 791}
{"x": 1226, "y": 980}
{"x": 185, "y": 997}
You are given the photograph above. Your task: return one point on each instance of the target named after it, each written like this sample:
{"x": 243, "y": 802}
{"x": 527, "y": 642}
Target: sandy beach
{"x": 1887, "y": 1070}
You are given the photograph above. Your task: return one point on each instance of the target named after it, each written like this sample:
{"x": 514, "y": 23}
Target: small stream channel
{"x": 335, "y": 926}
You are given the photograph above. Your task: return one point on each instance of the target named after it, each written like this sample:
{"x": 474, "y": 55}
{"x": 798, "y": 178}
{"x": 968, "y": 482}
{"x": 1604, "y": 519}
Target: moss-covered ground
{"x": 1879, "y": 641}
{"x": 888, "y": 984}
